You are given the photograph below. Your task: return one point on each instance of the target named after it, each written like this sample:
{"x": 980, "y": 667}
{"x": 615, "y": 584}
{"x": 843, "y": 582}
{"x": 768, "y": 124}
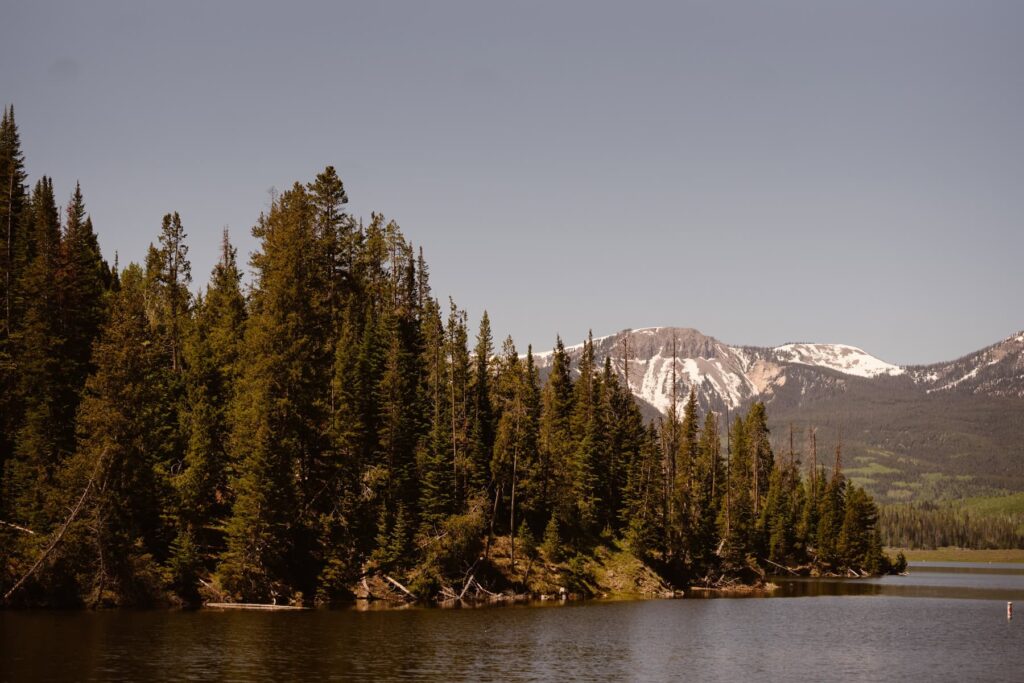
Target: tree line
{"x": 942, "y": 525}
{"x": 331, "y": 420}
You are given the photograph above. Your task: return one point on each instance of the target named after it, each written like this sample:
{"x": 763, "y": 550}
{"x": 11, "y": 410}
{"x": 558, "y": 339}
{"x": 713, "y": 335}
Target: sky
{"x": 763, "y": 172}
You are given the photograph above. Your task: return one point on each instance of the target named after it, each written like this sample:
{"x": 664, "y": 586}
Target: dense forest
{"x": 284, "y": 440}
{"x": 948, "y": 524}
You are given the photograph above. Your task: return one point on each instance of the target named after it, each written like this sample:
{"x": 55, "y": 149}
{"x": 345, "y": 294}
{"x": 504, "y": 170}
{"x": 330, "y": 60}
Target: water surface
{"x": 945, "y": 623}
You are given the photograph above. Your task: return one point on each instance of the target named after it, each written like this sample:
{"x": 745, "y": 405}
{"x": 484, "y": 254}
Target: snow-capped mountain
{"x": 846, "y": 359}
{"x": 730, "y": 376}
{"x": 908, "y": 433}
{"x": 996, "y": 370}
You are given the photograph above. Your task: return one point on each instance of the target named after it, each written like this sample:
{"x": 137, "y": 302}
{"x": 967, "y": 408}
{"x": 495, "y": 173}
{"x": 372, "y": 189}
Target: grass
{"x": 870, "y": 467}
{"x": 959, "y": 555}
{"x": 996, "y": 505}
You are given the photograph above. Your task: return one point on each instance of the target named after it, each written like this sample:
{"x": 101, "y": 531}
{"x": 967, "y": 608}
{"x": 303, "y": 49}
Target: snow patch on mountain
{"x": 730, "y": 376}
{"x": 846, "y": 359}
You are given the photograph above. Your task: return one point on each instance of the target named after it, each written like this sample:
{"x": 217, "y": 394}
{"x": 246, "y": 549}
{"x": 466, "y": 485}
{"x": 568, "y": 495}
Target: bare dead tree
{"x": 58, "y": 535}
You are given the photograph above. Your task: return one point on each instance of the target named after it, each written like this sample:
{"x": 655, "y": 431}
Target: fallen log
{"x": 466, "y": 586}
{"x": 252, "y": 606}
{"x": 481, "y": 588}
{"x": 399, "y": 586}
{"x": 776, "y": 564}
{"x": 19, "y": 528}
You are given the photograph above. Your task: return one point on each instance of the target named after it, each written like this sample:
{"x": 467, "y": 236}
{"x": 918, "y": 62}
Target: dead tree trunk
{"x": 59, "y": 534}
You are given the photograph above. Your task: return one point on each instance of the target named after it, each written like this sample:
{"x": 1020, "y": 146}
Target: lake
{"x": 944, "y": 622}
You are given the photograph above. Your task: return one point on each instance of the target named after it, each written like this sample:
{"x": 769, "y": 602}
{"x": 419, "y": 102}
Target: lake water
{"x": 941, "y": 623}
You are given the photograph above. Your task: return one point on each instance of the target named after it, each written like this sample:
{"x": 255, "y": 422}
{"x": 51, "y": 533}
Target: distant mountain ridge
{"x": 727, "y": 375}
{"x": 959, "y": 422}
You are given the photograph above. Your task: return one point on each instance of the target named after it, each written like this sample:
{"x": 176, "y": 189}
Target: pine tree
{"x": 170, "y": 275}
{"x": 83, "y": 281}
{"x": 777, "y": 522}
{"x": 556, "y": 439}
{"x": 588, "y": 451}
{"x": 13, "y": 221}
{"x": 737, "y": 521}
{"x": 481, "y": 417}
{"x": 38, "y": 341}
{"x": 707, "y": 495}
{"x": 831, "y": 514}
{"x": 121, "y": 449}
{"x": 643, "y": 503}
{"x": 343, "y": 524}
{"x": 530, "y": 488}
{"x": 210, "y": 354}
{"x": 808, "y": 530}
{"x": 624, "y": 438}
{"x": 332, "y": 224}
{"x": 763, "y": 460}
{"x": 275, "y": 438}
{"x": 515, "y": 446}
{"x": 436, "y": 463}
{"x": 14, "y": 225}
{"x": 398, "y": 433}
{"x": 859, "y": 545}
{"x": 458, "y": 399}
{"x": 685, "y": 498}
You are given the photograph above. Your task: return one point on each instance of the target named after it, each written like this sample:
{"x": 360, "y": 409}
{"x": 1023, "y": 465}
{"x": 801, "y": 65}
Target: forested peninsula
{"x": 329, "y": 432}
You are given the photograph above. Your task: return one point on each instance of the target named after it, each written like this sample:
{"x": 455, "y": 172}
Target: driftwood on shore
{"x": 399, "y": 586}
{"x": 252, "y": 606}
{"x": 788, "y": 569}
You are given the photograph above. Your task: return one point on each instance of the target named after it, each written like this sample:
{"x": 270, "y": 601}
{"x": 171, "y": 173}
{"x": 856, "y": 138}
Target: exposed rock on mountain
{"x": 919, "y": 431}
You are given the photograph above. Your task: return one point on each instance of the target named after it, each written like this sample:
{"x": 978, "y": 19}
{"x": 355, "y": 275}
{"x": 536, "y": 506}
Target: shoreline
{"x": 950, "y": 554}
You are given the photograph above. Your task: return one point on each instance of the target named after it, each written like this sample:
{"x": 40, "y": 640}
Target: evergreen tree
{"x": 481, "y": 417}
{"x": 643, "y": 505}
{"x": 458, "y": 400}
{"x": 624, "y": 439}
{"x": 38, "y": 341}
{"x": 343, "y": 524}
{"x": 210, "y": 353}
{"x": 589, "y": 448}
{"x": 707, "y": 494}
{"x": 275, "y": 438}
{"x": 398, "y": 433}
{"x": 831, "y": 514}
{"x": 859, "y": 545}
{"x": 762, "y": 458}
{"x": 121, "y": 451}
{"x": 515, "y": 447}
{"x": 332, "y": 226}
{"x": 530, "y": 487}
{"x": 815, "y": 490}
{"x": 436, "y": 460}
{"x": 556, "y": 438}
{"x": 83, "y": 281}
{"x": 737, "y": 523}
{"x": 685, "y": 497}
{"x": 13, "y": 223}
{"x": 13, "y": 226}
{"x": 777, "y": 522}
{"x": 170, "y": 275}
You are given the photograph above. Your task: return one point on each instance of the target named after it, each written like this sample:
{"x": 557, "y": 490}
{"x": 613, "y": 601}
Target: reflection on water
{"x": 961, "y": 580}
{"x": 939, "y": 623}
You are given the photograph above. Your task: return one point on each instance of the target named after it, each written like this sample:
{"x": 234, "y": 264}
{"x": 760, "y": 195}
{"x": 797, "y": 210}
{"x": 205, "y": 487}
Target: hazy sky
{"x": 764, "y": 171}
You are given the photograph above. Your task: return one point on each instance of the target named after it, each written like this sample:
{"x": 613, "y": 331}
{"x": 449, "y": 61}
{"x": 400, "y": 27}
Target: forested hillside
{"x": 333, "y": 421}
{"x": 925, "y": 441}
